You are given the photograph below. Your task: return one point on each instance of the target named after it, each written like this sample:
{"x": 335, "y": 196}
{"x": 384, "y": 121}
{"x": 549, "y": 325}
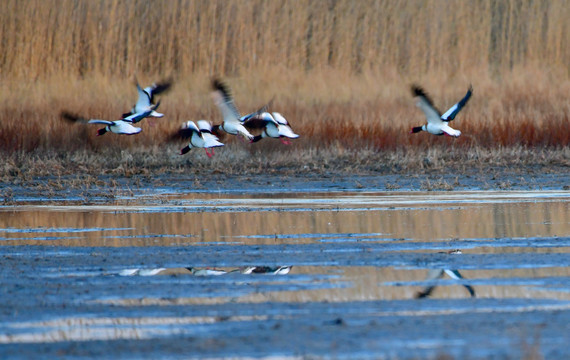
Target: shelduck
{"x": 273, "y": 125}
{"x": 232, "y": 123}
{"x": 437, "y": 124}
{"x": 122, "y": 127}
{"x": 200, "y": 137}
{"x": 146, "y": 97}
{"x": 205, "y": 127}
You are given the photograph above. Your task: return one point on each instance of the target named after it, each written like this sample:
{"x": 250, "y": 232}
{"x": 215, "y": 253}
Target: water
{"x": 289, "y": 218}
{"x": 313, "y": 269}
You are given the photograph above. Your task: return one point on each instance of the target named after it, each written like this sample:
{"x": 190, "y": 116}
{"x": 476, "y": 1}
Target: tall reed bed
{"x": 338, "y": 70}
{"x": 524, "y": 110}
{"x": 416, "y": 37}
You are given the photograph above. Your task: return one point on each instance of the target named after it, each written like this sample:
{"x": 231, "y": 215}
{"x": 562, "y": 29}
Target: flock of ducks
{"x": 202, "y": 134}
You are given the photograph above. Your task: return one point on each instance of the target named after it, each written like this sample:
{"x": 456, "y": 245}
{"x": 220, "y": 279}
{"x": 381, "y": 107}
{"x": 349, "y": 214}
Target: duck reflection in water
{"x": 435, "y": 274}
{"x": 246, "y": 270}
{"x": 208, "y": 271}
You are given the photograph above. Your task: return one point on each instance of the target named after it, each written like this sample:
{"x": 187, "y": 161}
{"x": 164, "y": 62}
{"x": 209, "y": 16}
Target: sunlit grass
{"x": 340, "y": 72}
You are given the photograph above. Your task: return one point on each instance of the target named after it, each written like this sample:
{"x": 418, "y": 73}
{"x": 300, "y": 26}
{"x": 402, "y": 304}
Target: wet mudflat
{"x": 343, "y": 274}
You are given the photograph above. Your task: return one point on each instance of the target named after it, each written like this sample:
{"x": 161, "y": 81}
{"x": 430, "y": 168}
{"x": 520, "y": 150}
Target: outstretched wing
{"x": 259, "y": 111}
{"x": 98, "y": 121}
{"x": 424, "y": 102}
{"x": 285, "y": 130}
{"x": 452, "y": 112}
{"x": 135, "y": 118}
{"x": 433, "y": 274}
{"x": 224, "y": 101}
{"x": 144, "y": 99}
{"x": 280, "y": 118}
{"x": 205, "y": 126}
{"x": 158, "y": 88}
{"x": 454, "y": 274}
{"x": 79, "y": 119}
{"x": 260, "y": 121}
{"x": 186, "y": 131}
{"x": 74, "y": 118}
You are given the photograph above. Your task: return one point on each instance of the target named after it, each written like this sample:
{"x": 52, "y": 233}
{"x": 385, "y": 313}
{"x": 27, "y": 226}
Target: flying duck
{"x": 437, "y": 124}
{"x": 205, "y": 127}
{"x": 200, "y": 137}
{"x": 273, "y": 125}
{"x": 122, "y": 127}
{"x": 146, "y": 97}
{"x": 232, "y": 123}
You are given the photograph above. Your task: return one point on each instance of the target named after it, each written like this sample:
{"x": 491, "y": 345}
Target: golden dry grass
{"x": 117, "y": 38}
{"x": 340, "y": 71}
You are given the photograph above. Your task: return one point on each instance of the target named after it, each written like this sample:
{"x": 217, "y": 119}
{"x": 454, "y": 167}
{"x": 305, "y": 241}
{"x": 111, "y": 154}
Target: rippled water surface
{"x": 306, "y": 271}
{"x": 290, "y": 218}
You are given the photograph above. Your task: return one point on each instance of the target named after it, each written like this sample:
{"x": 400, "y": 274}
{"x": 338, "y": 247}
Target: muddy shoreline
{"x": 164, "y": 276}
{"x": 108, "y": 188}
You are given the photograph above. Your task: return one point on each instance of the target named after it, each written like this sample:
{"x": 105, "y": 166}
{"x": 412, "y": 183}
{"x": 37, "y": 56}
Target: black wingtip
{"x": 416, "y": 129}
{"x": 425, "y": 293}
{"x": 417, "y": 90}
{"x": 220, "y": 85}
{"x": 69, "y": 116}
{"x": 471, "y": 290}
{"x": 216, "y": 130}
{"x": 162, "y": 86}
{"x": 184, "y": 150}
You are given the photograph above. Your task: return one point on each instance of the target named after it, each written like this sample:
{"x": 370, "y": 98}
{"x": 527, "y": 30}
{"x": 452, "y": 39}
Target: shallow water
{"x": 289, "y": 218}
{"x": 165, "y": 266}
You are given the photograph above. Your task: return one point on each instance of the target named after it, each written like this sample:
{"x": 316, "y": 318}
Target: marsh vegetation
{"x": 340, "y": 71}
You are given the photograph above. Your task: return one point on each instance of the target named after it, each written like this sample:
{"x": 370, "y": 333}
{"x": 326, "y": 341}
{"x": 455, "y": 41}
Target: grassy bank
{"x": 242, "y": 160}
{"x": 340, "y": 71}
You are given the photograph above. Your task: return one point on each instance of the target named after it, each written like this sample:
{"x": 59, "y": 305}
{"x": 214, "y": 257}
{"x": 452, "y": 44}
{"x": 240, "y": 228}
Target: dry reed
{"x": 115, "y": 38}
{"x": 339, "y": 70}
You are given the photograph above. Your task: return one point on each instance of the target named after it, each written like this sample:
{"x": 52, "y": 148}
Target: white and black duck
{"x": 200, "y": 137}
{"x": 437, "y": 123}
{"x": 146, "y": 98}
{"x": 272, "y": 125}
{"x": 232, "y": 120}
{"x": 122, "y": 127}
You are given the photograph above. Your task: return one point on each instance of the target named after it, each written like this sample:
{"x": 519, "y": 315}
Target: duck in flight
{"x": 233, "y": 121}
{"x": 200, "y": 137}
{"x": 123, "y": 126}
{"x": 273, "y": 125}
{"x": 438, "y": 124}
{"x": 147, "y": 97}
